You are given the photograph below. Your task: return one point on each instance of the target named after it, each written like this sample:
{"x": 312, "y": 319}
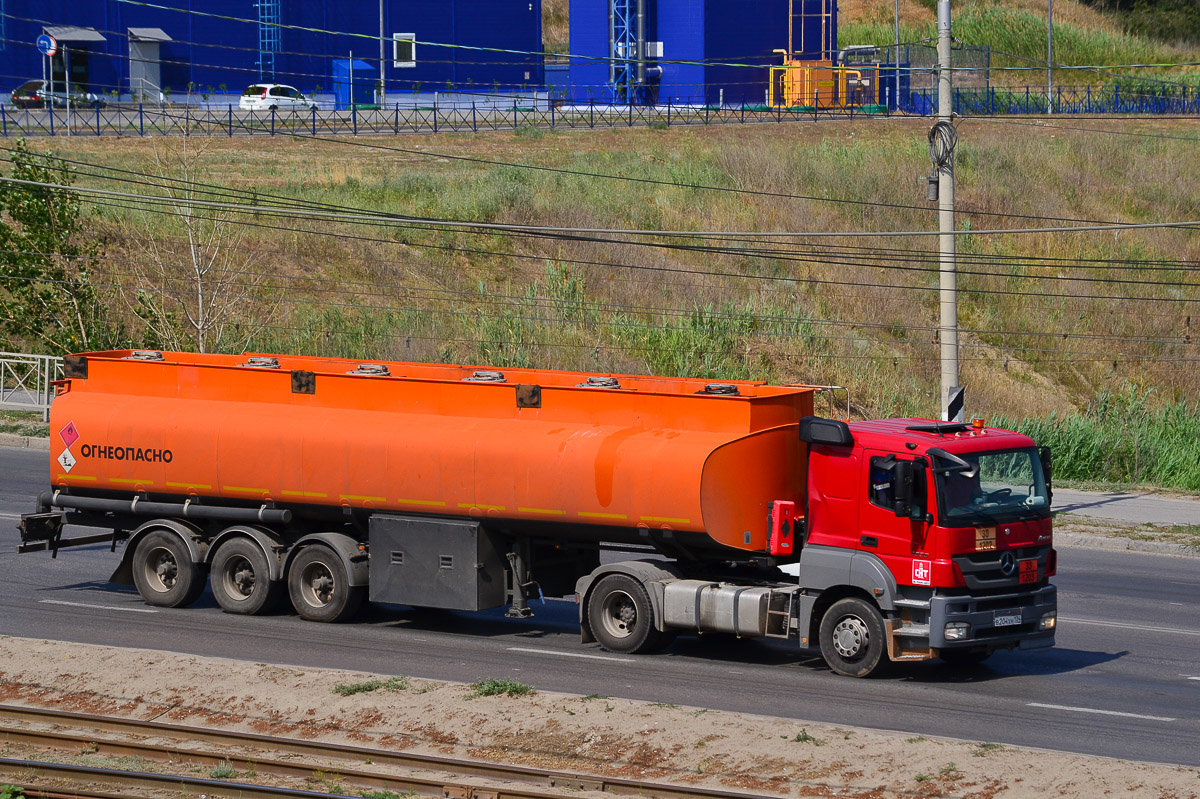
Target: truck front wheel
{"x": 621, "y": 617}
{"x": 164, "y": 572}
{"x": 852, "y": 637}
{"x": 319, "y": 586}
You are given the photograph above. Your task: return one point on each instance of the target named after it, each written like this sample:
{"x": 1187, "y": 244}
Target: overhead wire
{"x": 379, "y": 289}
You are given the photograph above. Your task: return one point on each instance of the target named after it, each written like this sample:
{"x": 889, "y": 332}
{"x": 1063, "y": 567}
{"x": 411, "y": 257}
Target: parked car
{"x": 35, "y": 94}
{"x": 267, "y": 96}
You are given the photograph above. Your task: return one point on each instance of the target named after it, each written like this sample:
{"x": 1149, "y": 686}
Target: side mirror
{"x": 1047, "y": 471}
{"x": 957, "y": 464}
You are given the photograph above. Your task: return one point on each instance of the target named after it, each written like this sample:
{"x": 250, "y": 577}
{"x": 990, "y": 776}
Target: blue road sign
{"x": 46, "y": 44}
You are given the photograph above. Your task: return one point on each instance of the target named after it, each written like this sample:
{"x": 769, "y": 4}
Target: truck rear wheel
{"x": 621, "y": 616}
{"x": 241, "y": 578}
{"x": 852, "y": 637}
{"x": 319, "y": 586}
{"x": 164, "y": 572}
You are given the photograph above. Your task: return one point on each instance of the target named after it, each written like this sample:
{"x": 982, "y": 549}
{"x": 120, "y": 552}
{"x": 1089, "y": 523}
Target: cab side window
{"x": 882, "y": 488}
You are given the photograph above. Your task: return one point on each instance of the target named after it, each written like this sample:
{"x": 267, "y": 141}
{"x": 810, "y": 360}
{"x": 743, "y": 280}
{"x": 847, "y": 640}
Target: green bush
{"x": 1122, "y": 438}
{"x": 494, "y": 687}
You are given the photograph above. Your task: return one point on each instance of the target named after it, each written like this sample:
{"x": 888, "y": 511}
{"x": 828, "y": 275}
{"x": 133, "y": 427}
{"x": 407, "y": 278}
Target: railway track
{"x": 336, "y": 768}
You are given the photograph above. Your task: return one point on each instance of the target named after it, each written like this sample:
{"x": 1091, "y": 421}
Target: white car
{"x": 268, "y": 96}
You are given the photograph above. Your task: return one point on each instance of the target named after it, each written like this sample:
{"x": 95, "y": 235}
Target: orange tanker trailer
{"x": 436, "y": 485}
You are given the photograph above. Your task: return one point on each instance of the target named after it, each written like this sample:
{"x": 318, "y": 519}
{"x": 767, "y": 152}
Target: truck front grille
{"x": 982, "y": 571}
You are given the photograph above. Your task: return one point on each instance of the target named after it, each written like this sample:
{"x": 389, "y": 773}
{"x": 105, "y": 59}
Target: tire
{"x": 964, "y": 658}
{"x": 164, "y": 572}
{"x": 320, "y": 588}
{"x": 852, "y": 638}
{"x": 241, "y": 578}
{"x": 621, "y": 616}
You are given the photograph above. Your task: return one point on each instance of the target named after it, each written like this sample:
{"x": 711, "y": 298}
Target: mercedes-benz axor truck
{"x": 664, "y": 506}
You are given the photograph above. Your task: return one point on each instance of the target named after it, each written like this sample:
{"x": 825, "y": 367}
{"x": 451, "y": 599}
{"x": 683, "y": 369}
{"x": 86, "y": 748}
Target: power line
{"x": 372, "y": 289}
{"x": 555, "y": 229}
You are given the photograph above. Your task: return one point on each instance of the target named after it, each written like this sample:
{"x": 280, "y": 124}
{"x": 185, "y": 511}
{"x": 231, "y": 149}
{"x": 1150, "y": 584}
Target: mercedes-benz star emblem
{"x": 1008, "y": 564}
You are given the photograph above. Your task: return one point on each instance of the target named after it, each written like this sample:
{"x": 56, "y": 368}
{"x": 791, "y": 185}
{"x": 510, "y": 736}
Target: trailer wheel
{"x": 852, "y": 637}
{"x": 241, "y": 578}
{"x": 621, "y": 616}
{"x": 164, "y": 572}
{"x": 319, "y": 587}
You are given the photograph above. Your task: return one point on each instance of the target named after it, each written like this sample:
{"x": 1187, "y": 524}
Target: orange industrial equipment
{"x": 819, "y": 84}
{"x": 623, "y": 452}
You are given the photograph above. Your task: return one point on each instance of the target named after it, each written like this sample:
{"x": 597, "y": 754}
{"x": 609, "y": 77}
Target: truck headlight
{"x": 1048, "y": 620}
{"x": 958, "y": 631}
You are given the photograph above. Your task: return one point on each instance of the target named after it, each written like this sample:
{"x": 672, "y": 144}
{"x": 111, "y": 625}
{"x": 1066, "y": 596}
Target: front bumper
{"x": 981, "y": 614}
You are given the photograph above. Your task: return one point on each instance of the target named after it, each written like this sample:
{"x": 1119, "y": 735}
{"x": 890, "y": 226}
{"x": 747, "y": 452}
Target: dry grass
{"x": 812, "y": 317}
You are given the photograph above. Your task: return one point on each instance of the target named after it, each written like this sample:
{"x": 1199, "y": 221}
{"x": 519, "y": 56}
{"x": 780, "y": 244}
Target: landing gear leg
{"x": 521, "y": 586}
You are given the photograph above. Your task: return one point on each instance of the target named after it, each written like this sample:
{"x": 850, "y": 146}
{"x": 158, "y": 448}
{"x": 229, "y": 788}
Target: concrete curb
{"x": 1091, "y": 541}
{"x": 24, "y": 442}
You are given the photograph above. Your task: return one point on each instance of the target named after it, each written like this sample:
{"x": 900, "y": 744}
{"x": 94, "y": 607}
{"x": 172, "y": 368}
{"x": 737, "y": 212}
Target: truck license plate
{"x": 1009, "y": 618}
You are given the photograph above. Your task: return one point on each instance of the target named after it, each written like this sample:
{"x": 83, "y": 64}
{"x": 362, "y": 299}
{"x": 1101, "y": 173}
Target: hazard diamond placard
{"x": 67, "y": 460}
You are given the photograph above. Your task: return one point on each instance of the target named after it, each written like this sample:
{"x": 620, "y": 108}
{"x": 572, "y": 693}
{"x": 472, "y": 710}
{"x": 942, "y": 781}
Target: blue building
{"x": 696, "y": 51}
{"x": 216, "y": 48}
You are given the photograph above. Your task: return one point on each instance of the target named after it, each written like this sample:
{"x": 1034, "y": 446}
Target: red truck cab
{"x": 944, "y": 526}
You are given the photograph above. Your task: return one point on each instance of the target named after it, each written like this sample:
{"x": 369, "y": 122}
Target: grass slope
{"x": 1040, "y": 337}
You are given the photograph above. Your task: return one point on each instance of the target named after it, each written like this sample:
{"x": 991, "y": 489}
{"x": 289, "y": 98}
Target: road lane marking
{"x": 568, "y": 654}
{"x": 1097, "y": 622}
{"x": 98, "y": 607}
{"x": 1194, "y": 678}
{"x": 1100, "y": 712}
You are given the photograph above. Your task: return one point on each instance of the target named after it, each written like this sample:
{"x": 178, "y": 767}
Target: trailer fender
{"x": 354, "y": 559}
{"x": 651, "y": 574}
{"x": 187, "y": 532}
{"x": 268, "y": 541}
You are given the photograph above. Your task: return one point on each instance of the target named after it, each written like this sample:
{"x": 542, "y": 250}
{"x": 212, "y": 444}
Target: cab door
{"x": 898, "y": 540}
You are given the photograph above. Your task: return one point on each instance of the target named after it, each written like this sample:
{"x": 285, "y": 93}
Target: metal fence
{"x": 999, "y": 101}
{"x": 143, "y": 120}
{"x": 160, "y": 121}
{"x": 27, "y": 381}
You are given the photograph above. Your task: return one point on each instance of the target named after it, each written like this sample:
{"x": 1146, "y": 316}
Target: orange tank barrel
{"x": 608, "y": 456}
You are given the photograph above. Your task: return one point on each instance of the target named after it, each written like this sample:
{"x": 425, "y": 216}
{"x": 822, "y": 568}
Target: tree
{"x": 48, "y": 253}
{"x": 195, "y": 288}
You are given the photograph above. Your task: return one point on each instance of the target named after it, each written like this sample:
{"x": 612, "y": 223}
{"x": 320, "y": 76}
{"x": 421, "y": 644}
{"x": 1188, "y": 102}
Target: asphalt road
{"x": 1123, "y": 681}
{"x": 1123, "y": 507}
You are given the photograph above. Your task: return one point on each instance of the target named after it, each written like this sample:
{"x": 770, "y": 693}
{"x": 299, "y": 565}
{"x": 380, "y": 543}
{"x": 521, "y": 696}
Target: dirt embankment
{"x": 597, "y": 735}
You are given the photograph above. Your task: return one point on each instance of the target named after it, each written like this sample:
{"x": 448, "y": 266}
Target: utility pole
{"x": 942, "y": 140}
{"x": 1049, "y": 55}
{"x": 897, "y": 55}
{"x": 382, "y": 78}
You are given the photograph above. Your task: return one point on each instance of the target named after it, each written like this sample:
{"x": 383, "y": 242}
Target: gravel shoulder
{"x": 594, "y": 734}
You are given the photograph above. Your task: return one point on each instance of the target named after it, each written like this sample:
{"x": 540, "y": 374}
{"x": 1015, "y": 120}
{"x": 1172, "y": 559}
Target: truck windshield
{"x": 1005, "y": 486}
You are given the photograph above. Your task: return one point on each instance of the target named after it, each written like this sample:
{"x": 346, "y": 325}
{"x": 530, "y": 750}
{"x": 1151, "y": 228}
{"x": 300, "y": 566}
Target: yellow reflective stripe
{"x": 77, "y": 477}
{"x": 665, "y": 519}
{"x": 189, "y": 485}
{"x": 481, "y": 507}
{"x": 315, "y": 494}
{"x": 602, "y": 515}
{"x": 433, "y": 503}
{"x": 543, "y": 510}
{"x": 130, "y": 481}
{"x": 360, "y": 497}
{"x": 243, "y": 488}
